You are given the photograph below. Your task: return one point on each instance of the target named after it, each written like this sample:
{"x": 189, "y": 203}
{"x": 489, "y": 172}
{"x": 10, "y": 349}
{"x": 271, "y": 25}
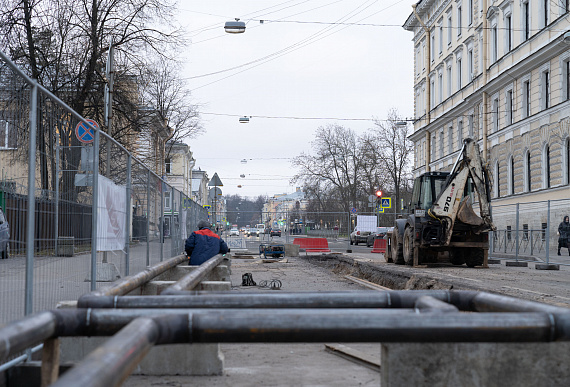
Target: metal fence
{"x": 79, "y": 214}
{"x": 529, "y": 231}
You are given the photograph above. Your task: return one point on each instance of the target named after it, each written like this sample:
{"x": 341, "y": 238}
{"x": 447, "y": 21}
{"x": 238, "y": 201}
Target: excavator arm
{"x": 451, "y": 205}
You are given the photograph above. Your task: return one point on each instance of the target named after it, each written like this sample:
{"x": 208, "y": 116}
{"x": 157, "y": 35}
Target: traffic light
{"x": 378, "y": 194}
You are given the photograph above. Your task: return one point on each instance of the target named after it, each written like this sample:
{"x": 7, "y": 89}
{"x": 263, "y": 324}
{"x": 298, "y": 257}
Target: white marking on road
{"x": 539, "y": 293}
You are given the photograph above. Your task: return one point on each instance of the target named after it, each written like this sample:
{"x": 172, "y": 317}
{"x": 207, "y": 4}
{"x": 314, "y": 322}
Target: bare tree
{"x": 394, "y": 150}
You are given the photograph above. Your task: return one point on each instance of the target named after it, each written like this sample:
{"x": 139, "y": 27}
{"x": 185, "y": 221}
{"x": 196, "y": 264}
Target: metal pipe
{"x": 20, "y": 359}
{"x": 487, "y": 302}
{"x": 127, "y": 284}
{"x": 31, "y": 215}
{"x": 430, "y": 304}
{"x": 111, "y": 363}
{"x": 56, "y": 199}
{"x": 190, "y": 299}
{"x": 192, "y": 279}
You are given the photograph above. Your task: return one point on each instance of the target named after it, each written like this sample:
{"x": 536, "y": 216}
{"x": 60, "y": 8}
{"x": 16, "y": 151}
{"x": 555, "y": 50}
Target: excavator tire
{"x": 474, "y": 257}
{"x": 408, "y": 246}
{"x": 397, "y": 249}
{"x": 458, "y": 256}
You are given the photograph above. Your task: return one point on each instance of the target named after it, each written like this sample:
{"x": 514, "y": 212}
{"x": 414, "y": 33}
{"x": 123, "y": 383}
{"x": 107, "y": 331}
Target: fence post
{"x": 531, "y": 246}
{"x": 94, "y": 208}
{"x": 29, "y": 292}
{"x": 128, "y": 217}
{"x": 548, "y": 233}
{"x": 348, "y": 249}
{"x": 148, "y": 218}
{"x": 56, "y": 223}
{"x": 161, "y": 223}
{"x": 517, "y": 235}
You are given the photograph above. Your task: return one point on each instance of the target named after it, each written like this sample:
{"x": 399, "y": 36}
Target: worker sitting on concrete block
{"x": 204, "y": 244}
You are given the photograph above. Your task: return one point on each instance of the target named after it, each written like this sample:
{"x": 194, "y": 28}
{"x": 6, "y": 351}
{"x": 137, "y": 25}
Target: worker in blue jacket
{"x": 204, "y": 244}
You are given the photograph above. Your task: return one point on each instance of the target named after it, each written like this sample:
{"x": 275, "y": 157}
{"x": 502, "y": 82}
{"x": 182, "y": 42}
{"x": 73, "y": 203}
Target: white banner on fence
{"x": 111, "y": 215}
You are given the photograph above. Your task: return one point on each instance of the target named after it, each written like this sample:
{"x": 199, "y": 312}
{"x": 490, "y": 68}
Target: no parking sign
{"x": 84, "y": 132}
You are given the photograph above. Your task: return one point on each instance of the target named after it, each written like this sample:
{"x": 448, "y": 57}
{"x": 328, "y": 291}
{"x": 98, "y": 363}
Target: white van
{"x": 260, "y": 228}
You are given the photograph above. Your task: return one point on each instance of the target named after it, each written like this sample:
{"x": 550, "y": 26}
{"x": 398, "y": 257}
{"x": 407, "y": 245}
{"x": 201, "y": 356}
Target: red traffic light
{"x": 378, "y": 193}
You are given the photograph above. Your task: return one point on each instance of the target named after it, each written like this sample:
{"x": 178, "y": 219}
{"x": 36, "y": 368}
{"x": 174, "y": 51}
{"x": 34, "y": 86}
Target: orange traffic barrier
{"x": 379, "y": 246}
{"x": 313, "y": 245}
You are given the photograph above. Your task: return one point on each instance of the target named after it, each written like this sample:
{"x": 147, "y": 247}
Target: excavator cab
{"x": 427, "y": 188}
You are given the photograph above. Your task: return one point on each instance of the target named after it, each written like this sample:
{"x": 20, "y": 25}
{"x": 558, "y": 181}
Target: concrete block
{"x": 154, "y": 288}
{"x": 291, "y": 250}
{"x": 516, "y": 264}
{"x": 475, "y": 364}
{"x": 106, "y": 272}
{"x": 215, "y": 286}
{"x": 546, "y": 266}
{"x": 493, "y": 261}
{"x": 172, "y": 359}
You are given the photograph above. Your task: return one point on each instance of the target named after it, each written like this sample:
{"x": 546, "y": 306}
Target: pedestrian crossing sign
{"x": 380, "y": 210}
{"x": 386, "y": 203}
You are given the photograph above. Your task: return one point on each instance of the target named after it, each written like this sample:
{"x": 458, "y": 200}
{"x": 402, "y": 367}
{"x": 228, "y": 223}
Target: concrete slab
{"x": 516, "y": 264}
{"x": 546, "y": 266}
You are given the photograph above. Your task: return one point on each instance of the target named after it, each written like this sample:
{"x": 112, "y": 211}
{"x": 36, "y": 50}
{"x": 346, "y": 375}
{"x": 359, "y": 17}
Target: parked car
{"x": 358, "y": 236}
{"x": 378, "y": 234}
{"x": 4, "y": 237}
{"x": 253, "y": 231}
{"x": 234, "y": 232}
{"x": 275, "y": 232}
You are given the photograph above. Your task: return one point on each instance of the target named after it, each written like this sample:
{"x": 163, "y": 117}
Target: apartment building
{"x": 498, "y": 72}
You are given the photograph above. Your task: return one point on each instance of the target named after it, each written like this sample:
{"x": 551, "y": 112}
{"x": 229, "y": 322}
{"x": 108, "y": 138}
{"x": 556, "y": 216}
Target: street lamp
{"x": 235, "y": 27}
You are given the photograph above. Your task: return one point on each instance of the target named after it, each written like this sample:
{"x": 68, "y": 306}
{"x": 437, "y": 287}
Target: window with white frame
{"x": 545, "y": 88}
{"x": 494, "y": 43}
{"x": 459, "y": 61}
{"x": 418, "y": 61}
{"x": 460, "y": 133}
{"x": 423, "y": 55}
{"x": 525, "y": 97}
{"x": 565, "y": 69}
{"x": 432, "y": 92}
{"x": 470, "y": 12}
{"x": 432, "y": 147}
{"x": 440, "y": 23}
{"x": 497, "y": 180}
{"x": 441, "y": 143}
{"x": 544, "y": 11}
{"x": 527, "y": 172}
{"x": 508, "y": 33}
{"x": 449, "y": 27}
{"x": 418, "y": 104}
{"x": 470, "y": 65}
{"x": 525, "y": 20}
{"x": 423, "y": 99}
{"x": 509, "y": 106}
{"x": 168, "y": 165}
{"x": 459, "y": 19}
{"x": 167, "y": 200}
{"x": 480, "y": 53}
{"x": 432, "y": 46}
{"x": 470, "y": 126}
{"x": 4, "y": 135}
{"x": 495, "y": 110}
{"x": 440, "y": 85}
{"x": 450, "y": 139}
{"x": 546, "y": 166}
{"x": 449, "y": 80}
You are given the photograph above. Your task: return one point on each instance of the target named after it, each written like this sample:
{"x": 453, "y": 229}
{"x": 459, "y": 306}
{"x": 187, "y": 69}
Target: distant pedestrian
{"x": 564, "y": 234}
{"x": 204, "y": 244}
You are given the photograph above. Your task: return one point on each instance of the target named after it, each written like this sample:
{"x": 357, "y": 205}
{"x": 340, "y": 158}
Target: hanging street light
{"x": 244, "y": 120}
{"x": 235, "y": 27}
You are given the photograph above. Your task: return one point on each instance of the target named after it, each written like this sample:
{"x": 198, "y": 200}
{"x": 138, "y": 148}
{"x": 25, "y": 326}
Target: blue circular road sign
{"x": 84, "y": 132}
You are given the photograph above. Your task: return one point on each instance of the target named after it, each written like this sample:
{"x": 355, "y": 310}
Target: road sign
{"x": 207, "y": 206}
{"x": 213, "y": 192}
{"x": 380, "y": 210}
{"x": 386, "y": 203}
{"x": 84, "y": 132}
{"x": 187, "y": 203}
{"x": 371, "y": 198}
{"x": 353, "y": 210}
{"x": 215, "y": 181}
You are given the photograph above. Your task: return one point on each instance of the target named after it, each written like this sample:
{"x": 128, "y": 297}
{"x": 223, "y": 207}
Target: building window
{"x": 167, "y": 200}
{"x": 440, "y": 85}
{"x": 470, "y": 64}
{"x": 525, "y": 20}
{"x": 459, "y": 20}
{"x": 508, "y": 31}
{"x": 440, "y": 38}
{"x": 511, "y": 175}
{"x": 470, "y": 12}
{"x": 495, "y": 114}
{"x": 432, "y": 93}
{"x": 497, "y": 180}
{"x": 449, "y": 81}
{"x": 432, "y": 48}
{"x": 459, "y": 133}
{"x": 546, "y": 166}
{"x": 526, "y": 99}
{"x": 449, "y": 29}
{"x": 545, "y": 89}
{"x": 567, "y": 161}
{"x": 470, "y": 125}
{"x": 441, "y": 144}
{"x": 545, "y": 10}
{"x": 528, "y": 174}
{"x": 7, "y": 136}
{"x": 450, "y": 140}
{"x": 566, "y": 78}
{"x": 168, "y": 165}
{"x": 432, "y": 147}
{"x": 459, "y": 74}
{"x": 509, "y": 107}
{"x": 494, "y": 44}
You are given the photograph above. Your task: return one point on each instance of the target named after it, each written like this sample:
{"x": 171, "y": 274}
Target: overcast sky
{"x": 326, "y": 59}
